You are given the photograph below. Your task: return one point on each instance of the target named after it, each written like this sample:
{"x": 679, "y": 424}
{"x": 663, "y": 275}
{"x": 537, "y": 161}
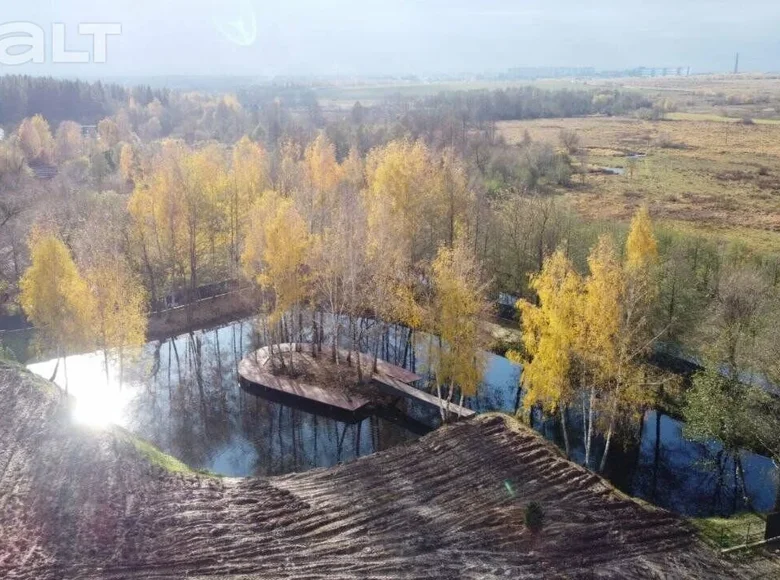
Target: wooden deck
{"x": 389, "y": 379}
{"x": 254, "y": 368}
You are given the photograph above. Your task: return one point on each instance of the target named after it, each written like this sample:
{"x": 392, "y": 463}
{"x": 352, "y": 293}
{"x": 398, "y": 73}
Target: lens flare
{"x": 237, "y": 22}
{"x": 97, "y": 400}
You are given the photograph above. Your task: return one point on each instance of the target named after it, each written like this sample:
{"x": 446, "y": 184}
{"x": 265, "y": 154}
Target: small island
{"x": 329, "y": 377}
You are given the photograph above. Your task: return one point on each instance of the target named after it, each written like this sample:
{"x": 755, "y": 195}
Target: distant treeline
{"x": 481, "y": 106}
{"x": 88, "y": 102}
{"x": 65, "y": 100}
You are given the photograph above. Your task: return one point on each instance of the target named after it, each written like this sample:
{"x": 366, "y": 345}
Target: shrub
{"x": 534, "y": 517}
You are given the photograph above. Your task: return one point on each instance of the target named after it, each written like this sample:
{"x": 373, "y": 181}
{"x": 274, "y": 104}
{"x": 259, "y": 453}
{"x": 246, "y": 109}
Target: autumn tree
{"x": 550, "y": 338}
{"x": 569, "y": 140}
{"x": 69, "y": 142}
{"x": 129, "y": 166}
{"x": 108, "y": 132}
{"x": 248, "y": 180}
{"x": 119, "y": 316}
{"x": 458, "y": 308}
{"x": 616, "y": 321}
{"x": 205, "y": 199}
{"x": 275, "y": 254}
{"x": 455, "y": 198}
{"x": 341, "y": 268}
{"x": 597, "y": 341}
{"x": 55, "y": 297}
{"x": 323, "y": 174}
{"x": 181, "y": 214}
{"x": 36, "y": 140}
{"x": 400, "y": 184}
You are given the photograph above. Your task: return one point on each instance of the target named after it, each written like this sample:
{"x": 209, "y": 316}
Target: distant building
{"x": 89, "y": 130}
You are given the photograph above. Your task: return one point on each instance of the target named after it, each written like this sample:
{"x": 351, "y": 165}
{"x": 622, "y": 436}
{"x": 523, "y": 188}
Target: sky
{"x": 395, "y": 37}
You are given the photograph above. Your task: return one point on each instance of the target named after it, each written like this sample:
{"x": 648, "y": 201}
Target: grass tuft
{"x": 736, "y": 530}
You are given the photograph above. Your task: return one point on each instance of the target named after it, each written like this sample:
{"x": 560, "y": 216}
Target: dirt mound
{"x": 76, "y": 503}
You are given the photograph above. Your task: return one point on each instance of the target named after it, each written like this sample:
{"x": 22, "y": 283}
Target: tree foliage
{"x": 55, "y": 297}
{"x": 120, "y": 309}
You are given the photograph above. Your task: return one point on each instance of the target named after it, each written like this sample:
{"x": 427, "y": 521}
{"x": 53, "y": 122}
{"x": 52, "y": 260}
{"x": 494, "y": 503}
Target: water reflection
{"x": 99, "y": 400}
{"x": 183, "y": 395}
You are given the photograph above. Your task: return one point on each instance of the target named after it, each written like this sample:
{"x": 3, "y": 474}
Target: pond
{"x": 182, "y": 394}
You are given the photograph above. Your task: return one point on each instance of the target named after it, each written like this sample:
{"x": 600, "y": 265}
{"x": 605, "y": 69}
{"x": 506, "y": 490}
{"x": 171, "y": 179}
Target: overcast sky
{"x": 346, "y": 37}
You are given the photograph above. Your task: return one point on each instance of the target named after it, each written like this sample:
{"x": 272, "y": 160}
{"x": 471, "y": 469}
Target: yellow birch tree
{"x": 119, "y": 316}
{"x": 55, "y": 298}
{"x": 550, "y": 337}
{"x": 458, "y": 308}
{"x": 600, "y": 320}
{"x": 275, "y": 255}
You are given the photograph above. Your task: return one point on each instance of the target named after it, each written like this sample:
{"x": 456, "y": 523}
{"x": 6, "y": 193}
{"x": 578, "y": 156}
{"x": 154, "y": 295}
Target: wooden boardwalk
{"x": 396, "y": 387}
{"x": 389, "y": 379}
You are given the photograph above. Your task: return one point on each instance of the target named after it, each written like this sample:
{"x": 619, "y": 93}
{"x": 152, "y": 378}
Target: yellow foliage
{"x": 55, "y": 298}
{"x": 408, "y": 309}
{"x": 550, "y": 333}
{"x": 182, "y": 213}
{"x": 458, "y": 308}
{"x": 400, "y": 183}
{"x": 120, "y": 317}
{"x": 36, "y": 140}
{"x": 322, "y": 169}
{"x": 276, "y": 249}
{"x": 69, "y": 141}
{"x": 128, "y": 164}
{"x": 601, "y": 311}
{"x": 641, "y": 245}
{"x": 108, "y": 131}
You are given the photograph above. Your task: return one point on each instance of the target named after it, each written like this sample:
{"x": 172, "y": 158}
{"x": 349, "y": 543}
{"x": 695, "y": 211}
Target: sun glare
{"x": 98, "y": 400}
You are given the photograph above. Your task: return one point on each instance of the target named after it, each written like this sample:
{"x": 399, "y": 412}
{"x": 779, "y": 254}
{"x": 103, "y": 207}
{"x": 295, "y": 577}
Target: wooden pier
{"x": 319, "y": 380}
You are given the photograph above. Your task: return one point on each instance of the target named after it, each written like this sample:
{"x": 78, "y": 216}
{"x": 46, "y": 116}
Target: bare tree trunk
{"x": 565, "y": 431}
{"x": 407, "y": 345}
{"x": 65, "y": 368}
{"x": 449, "y": 400}
{"x": 589, "y": 433}
{"x": 289, "y": 345}
{"x": 300, "y": 329}
{"x": 441, "y": 401}
{"x": 741, "y": 472}
{"x": 656, "y": 453}
{"x": 609, "y": 440}
{"x": 56, "y": 368}
{"x": 121, "y": 367}
{"x": 105, "y": 365}
{"x": 518, "y": 399}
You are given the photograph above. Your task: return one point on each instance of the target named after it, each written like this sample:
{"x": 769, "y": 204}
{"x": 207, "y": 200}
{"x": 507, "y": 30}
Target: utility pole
{"x": 736, "y": 65}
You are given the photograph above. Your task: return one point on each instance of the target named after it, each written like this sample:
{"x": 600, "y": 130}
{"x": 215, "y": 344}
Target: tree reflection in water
{"x": 183, "y": 395}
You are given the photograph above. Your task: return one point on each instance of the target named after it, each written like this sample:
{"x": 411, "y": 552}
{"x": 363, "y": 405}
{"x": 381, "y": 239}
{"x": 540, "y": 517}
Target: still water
{"x": 182, "y": 394}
